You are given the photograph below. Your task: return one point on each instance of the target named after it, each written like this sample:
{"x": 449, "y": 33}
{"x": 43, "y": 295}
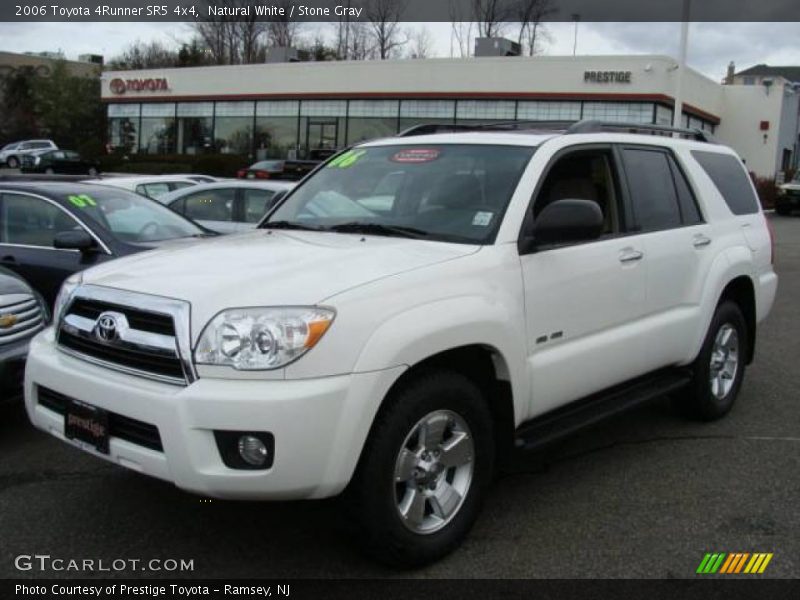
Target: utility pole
{"x": 677, "y": 116}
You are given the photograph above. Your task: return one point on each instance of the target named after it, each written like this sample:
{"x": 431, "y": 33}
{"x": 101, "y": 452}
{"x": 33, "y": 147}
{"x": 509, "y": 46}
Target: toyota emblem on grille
{"x": 108, "y": 326}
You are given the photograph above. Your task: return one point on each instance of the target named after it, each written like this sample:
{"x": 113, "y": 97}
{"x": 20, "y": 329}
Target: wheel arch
{"x": 741, "y": 291}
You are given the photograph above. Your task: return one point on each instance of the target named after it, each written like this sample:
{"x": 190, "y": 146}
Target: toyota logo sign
{"x": 110, "y": 326}
{"x": 118, "y": 86}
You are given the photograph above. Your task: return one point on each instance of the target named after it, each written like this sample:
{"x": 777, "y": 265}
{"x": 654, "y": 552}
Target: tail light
{"x": 241, "y": 173}
{"x": 262, "y": 174}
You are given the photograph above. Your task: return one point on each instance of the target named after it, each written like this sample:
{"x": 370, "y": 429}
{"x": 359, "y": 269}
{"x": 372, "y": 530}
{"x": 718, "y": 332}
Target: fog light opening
{"x": 252, "y": 450}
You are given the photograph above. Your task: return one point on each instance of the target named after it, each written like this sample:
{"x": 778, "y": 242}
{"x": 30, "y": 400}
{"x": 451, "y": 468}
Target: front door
{"x": 321, "y": 136}
{"x": 583, "y": 300}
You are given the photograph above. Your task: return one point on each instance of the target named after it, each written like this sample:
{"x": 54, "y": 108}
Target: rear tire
{"x": 49, "y": 171}
{"x": 718, "y": 370}
{"x": 424, "y": 470}
{"x": 12, "y": 162}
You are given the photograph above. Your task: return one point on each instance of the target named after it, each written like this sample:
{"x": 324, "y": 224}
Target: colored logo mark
{"x": 734, "y": 563}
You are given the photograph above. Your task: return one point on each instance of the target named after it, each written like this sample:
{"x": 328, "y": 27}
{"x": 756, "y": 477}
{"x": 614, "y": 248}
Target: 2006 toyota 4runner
{"x": 409, "y": 314}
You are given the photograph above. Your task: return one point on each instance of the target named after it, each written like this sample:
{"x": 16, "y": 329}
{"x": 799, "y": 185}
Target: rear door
{"x": 255, "y": 202}
{"x": 583, "y": 300}
{"x": 28, "y": 225}
{"x": 677, "y": 243}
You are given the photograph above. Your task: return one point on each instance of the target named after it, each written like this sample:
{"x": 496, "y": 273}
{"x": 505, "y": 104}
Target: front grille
{"x": 133, "y": 359}
{"x": 24, "y": 313}
{"x": 137, "y": 319}
{"x": 119, "y": 426}
{"x": 144, "y": 342}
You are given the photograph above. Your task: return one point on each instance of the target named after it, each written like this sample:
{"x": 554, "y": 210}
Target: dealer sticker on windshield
{"x": 415, "y": 155}
{"x": 482, "y": 218}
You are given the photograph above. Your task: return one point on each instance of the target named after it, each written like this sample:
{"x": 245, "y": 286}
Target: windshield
{"x": 132, "y": 218}
{"x": 445, "y": 192}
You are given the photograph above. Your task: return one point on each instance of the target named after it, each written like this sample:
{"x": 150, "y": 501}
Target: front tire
{"x": 424, "y": 470}
{"x": 12, "y": 162}
{"x": 718, "y": 370}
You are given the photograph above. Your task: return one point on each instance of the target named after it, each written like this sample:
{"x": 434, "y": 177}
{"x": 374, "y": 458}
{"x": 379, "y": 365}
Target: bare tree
{"x": 232, "y": 40}
{"x": 492, "y": 16}
{"x": 351, "y": 40}
{"x": 384, "y": 19}
{"x": 144, "y": 55}
{"x": 282, "y": 32}
{"x": 530, "y": 14}
{"x": 421, "y": 43}
{"x": 461, "y": 29}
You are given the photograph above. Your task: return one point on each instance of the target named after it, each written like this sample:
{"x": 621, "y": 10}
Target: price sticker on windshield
{"x": 416, "y": 155}
{"x": 82, "y": 200}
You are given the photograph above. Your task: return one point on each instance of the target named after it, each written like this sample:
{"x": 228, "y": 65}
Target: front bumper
{"x": 320, "y": 425}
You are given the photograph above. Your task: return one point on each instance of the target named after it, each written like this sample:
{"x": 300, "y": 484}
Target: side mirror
{"x": 74, "y": 240}
{"x": 568, "y": 220}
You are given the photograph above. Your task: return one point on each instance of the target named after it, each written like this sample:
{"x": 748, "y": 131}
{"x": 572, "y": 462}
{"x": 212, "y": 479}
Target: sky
{"x": 711, "y": 45}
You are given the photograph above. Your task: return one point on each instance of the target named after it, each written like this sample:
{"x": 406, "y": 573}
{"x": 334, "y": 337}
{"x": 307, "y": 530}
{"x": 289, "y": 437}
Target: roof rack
{"x": 592, "y": 126}
{"x": 567, "y": 127}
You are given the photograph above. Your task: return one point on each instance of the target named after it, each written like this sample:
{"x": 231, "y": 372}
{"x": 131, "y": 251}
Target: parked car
{"x": 291, "y": 170}
{"x": 151, "y": 186}
{"x": 23, "y": 313}
{"x": 519, "y": 286}
{"x": 197, "y": 178}
{"x": 788, "y": 198}
{"x": 66, "y": 162}
{"x": 11, "y": 154}
{"x": 227, "y": 207}
{"x": 49, "y": 230}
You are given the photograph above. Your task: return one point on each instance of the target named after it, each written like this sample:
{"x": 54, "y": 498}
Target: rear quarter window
{"x": 731, "y": 180}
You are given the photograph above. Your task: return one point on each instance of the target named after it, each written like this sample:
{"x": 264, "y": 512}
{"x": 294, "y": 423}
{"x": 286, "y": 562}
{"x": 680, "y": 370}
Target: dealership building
{"x": 307, "y": 109}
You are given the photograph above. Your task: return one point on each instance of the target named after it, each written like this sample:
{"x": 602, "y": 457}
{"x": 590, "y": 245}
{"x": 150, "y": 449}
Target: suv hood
{"x": 269, "y": 267}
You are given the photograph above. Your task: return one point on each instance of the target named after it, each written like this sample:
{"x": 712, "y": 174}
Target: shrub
{"x": 767, "y": 190}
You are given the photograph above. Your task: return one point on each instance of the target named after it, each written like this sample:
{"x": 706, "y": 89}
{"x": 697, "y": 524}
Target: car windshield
{"x": 9, "y": 146}
{"x": 131, "y": 217}
{"x": 443, "y": 192}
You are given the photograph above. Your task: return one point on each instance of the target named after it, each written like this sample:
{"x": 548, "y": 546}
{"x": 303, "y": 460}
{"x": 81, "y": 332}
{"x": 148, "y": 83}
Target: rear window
{"x": 731, "y": 180}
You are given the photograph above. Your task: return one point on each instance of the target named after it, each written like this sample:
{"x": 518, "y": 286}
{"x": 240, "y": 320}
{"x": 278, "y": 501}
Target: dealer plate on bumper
{"x": 87, "y": 424}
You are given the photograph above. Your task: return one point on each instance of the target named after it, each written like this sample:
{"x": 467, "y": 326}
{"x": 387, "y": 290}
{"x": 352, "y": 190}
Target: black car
{"x": 59, "y": 161}
{"x": 49, "y": 230}
{"x": 23, "y": 314}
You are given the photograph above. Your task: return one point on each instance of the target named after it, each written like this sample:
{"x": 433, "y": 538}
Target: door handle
{"x": 630, "y": 255}
{"x": 701, "y": 240}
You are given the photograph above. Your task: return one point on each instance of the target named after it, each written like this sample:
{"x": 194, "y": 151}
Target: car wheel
{"x": 92, "y": 172}
{"x": 718, "y": 370}
{"x": 49, "y": 170}
{"x": 424, "y": 470}
{"x": 12, "y": 162}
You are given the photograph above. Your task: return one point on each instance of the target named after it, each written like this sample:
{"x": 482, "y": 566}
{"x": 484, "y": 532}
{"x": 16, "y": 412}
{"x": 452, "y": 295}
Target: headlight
{"x": 65, "y": 295}
{"x": 250, "y": 339}
{"x": 37, "y": 160}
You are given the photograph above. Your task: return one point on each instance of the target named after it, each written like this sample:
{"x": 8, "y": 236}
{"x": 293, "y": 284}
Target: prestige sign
{"x": 121, "y": 86}
{"x": 606, "y": 76}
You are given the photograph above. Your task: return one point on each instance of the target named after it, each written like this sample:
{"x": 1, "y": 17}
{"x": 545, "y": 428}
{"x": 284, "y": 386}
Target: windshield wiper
{"x": 379, "y": 229}
{"x": 288, "y": 225}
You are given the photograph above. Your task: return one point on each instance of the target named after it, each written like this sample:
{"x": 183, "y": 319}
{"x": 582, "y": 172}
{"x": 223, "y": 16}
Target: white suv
{"x": 409, "y": 314}
{"x": 11, "y": 154}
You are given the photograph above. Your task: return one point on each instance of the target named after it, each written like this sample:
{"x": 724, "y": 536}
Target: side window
{"x": 32, "y": 221}
{"x": 728, "y": 174}
{"x": 256, "y": 204}
{"x": 179, "y": 185}
{"x": 583, "y": 175}
{"x": 152, "y": 190}
{"x": 689, "y": 211}
{"x": 210, "y": 205}
{"x": 655, "y": 202}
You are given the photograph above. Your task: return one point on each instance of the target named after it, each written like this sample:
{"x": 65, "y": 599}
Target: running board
{"x": 568, "y": 419}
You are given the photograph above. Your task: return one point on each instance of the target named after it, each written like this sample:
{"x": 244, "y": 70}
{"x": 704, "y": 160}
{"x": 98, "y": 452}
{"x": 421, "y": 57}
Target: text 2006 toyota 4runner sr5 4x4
{"x": 410, "y": 313}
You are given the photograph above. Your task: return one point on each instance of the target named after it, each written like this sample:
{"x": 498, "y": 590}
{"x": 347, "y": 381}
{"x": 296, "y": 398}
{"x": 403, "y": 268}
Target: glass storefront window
{"x": 663, "y": 115}
{"x": 195, "y": 120}
{"x": 423, "y": 112}
{"x": 233, "y": 127}
{"x": 485, "y": 111}
{"x": 157, "y": 134}
{"x": 369, "y": 119}
{"x": 545, "y": 110}
{"x": 620, "y": 112}
{"x": 123, "y": 127}
{"x": 276, "y": 137}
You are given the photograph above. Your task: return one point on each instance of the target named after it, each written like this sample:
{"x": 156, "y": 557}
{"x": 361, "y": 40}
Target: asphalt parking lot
{"x": 644, "y": 495}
